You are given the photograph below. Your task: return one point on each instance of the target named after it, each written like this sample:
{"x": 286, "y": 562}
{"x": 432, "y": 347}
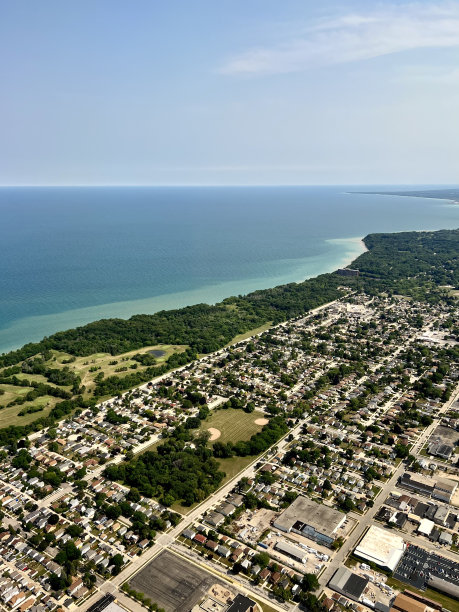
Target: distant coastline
{"x": 448, "y": 195}
{"x": 28, "y": 328}
{"x": 116, "y": 252}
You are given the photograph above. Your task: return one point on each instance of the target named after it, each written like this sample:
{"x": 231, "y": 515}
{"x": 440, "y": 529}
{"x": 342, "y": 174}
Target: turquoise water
{"x": 72, "y": 255}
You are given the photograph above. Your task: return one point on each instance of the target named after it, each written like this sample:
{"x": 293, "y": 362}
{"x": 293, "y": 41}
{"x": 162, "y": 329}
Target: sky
{"x": 240, "y": 92}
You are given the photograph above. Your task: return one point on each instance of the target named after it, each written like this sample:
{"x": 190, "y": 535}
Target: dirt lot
{"x": 254, "y": 523}
{"x": 173, "y": 583}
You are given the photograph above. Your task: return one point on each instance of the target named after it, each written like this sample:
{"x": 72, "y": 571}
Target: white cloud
{"x": 355, "y": 37}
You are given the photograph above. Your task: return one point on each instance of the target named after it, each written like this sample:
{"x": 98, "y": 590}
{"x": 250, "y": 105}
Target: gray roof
{"x": 322, "y": 518}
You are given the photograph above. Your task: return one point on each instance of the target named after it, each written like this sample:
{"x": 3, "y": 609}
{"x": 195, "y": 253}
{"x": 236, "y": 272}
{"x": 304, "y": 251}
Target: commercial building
{"x": 381, "y": 547}
{"x": 311, "y": 520}
{"x": 418, "y": 482}
{"x": 403, "y": 603}
{"x": 444, "y": 489}
{"x": 445, "y": 586}
{"x": 348, "y": 584}
{"x": 441, "y": 450}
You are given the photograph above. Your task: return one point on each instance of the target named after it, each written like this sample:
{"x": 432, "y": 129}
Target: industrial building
{"x": 381, "y": 547}
{"x": 418, "y": 482}
{"x": 442, "y": 489}
{"x": 311, "y": 520}
{"x": 348, "y": 584}
{"x": 403, "y": 603}
{"x": 291, "y": 550}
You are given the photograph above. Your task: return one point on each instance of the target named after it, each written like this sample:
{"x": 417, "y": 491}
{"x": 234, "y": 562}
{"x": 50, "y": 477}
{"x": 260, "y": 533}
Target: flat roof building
{"x": 291, "y": 550}
{"x": 403, "y": 603}
{"x": 426, "y": 527}
{"x": 381, "y": 547}
{"x": 444, "y": 489}
{"x": 348, "y": 584}
{"x": 418, "y": 482}
{"x": 311, "y": 520}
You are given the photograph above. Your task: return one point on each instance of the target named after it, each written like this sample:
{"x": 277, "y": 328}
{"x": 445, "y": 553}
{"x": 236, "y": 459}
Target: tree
{"x": 310, "y": 582}
{"x": 262, "y": 559}
{"x": 22, "y": 460}
{"x": 89, "y": 580}
{"x": 74, "y": 531}
{"x": 53, "y": 519}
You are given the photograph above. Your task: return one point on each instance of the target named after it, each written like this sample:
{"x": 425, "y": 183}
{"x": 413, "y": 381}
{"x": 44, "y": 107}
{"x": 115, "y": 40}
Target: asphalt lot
{"x": 417, "y": 565}
{"x": 173, "y": 583}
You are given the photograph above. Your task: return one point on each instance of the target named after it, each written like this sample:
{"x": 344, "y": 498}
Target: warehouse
{"x": 292, "y": 551}
{"x": 418, "y": 482}
{"x": 347, "y": 583}
{"x": 381, "y": 547}
{"x": 444, "y": 489}
{"x": 311, "y": 520}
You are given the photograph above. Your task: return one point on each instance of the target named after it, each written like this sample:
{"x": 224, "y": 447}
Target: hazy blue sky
{"x": 229, "y": 92}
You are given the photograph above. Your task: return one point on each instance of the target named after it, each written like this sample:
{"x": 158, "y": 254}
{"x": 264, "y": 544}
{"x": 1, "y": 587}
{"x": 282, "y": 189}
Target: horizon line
{"x": 92, "y": 185}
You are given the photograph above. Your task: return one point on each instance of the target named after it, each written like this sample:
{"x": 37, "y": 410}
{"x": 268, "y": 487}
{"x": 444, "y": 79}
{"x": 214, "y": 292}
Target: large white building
{"x": 381, "y": 547}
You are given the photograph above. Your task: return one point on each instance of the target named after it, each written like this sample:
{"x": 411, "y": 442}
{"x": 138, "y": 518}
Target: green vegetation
{"x": 257, "y": 443}
{"x": 79, "y": 362}
{"x": 231, "y": 466}
{"x": 449, "y": 603}
{"x": 142, "y": 598}
{"x": 233, "y": 424}
{"x": 172, "y": 473}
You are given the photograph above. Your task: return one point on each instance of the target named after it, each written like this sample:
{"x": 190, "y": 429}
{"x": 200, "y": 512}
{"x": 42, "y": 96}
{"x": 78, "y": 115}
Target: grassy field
{"x": 99, "y": 362}
{"x": 108, "y": 364}
{"x": 252, "y": 332}
{"x": 9, "y": 416}
{"x": 233, "y": 465}
{"x": 234, "y": 425}
{"x": 447, "y": 602}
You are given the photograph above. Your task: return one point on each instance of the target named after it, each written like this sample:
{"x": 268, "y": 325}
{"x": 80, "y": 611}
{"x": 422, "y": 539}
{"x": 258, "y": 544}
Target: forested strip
{"x": 408, "y": 262}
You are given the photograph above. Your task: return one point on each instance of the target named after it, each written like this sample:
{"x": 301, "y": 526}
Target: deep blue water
{"x": 72, "y": 255}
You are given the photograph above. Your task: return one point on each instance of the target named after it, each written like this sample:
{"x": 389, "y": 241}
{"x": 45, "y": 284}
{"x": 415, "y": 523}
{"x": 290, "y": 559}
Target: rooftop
{"x": 381, "y": 547}
{"x": 323, "y": 519}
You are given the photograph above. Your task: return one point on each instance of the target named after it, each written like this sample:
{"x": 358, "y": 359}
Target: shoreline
{"x": 403, "y": 195}
{"x": 27, "y": 327}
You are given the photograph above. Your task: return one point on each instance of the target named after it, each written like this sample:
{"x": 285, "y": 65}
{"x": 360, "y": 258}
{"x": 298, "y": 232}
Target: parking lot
{"x": 418, "y": 564}
{"x": 173, "y": 583}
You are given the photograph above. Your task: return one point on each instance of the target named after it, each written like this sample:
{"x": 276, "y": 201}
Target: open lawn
{"x": 233, "y": 425}
{"x": 250, "y": 333}
{"x": 109, "y": 364}
{"x": 9, "y": 416}
{"x": 98, "y": 363}
{"x": 233, "y": 465}
{"x": 11, "y": 393}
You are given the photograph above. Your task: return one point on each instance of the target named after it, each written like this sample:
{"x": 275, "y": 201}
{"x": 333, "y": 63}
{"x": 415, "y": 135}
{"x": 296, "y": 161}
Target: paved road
{"x": 367, "y": 520}
{"x": 166, "y": 540}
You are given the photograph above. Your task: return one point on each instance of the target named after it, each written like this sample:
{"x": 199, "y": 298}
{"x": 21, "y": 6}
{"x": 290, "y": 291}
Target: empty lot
{"x": 173, "y": 583}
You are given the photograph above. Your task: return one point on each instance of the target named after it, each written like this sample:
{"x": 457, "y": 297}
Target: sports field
{"x": 233, "y": 425}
